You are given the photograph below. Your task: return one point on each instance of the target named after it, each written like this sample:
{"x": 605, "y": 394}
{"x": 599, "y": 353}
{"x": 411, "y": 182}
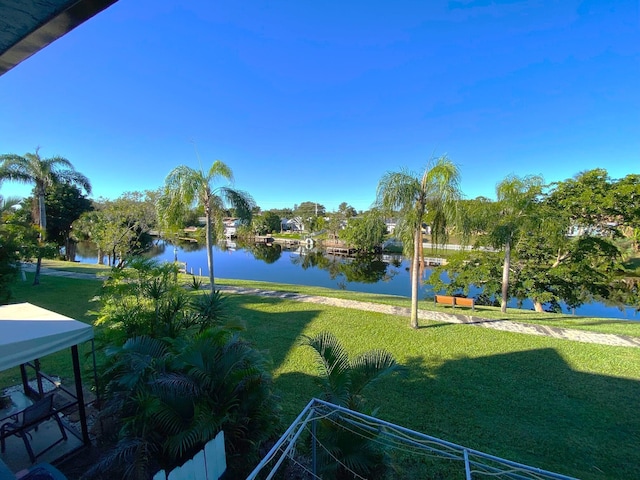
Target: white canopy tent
{"x": 28, "y": 332}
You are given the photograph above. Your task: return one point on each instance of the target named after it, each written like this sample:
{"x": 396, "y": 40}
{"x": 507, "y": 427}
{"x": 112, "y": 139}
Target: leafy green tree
{"x": 625, "y": 202}
{"x": 119, "y": 227}
{"x": 585, "y": 199}
{"x": 414, "y": 200}
{"x": 42, "y": 172}
{"x": 346, "y": 210}
{"x": 334, "y": 224}
{"x": 64, "y": 203}
{"x": 282, "y": 212}
{"x": 185, "y": 187}
{"x": 311, "y": 215}
{"x": 21, "y": 235}
{"x": 9, "y": 257}
{"x": 267, "y": 222}
{"x": 366, "y": 232}
{"x": 343, "y": 382}
{"x": 548, "y": 263}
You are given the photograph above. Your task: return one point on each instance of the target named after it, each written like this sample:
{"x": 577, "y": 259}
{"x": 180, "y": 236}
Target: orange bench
{"x": 453, "y": 301}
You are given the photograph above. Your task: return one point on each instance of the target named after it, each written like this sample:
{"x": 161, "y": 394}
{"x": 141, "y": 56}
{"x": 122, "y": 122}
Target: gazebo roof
{"x": 28, "y": 332}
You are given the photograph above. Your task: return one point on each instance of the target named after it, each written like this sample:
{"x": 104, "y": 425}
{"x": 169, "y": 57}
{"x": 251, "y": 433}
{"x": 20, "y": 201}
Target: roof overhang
{"x": 28, "y": 26}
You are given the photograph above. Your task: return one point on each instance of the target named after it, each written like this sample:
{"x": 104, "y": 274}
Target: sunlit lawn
{"x": 560, "y": 405}
{"x": 603, "y": 325}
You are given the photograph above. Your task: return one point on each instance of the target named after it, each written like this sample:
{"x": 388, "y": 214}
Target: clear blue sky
{"x": 315, "y": 101}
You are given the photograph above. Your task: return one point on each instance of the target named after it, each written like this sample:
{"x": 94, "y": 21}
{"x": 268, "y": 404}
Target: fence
{"x": 208, "y": 464}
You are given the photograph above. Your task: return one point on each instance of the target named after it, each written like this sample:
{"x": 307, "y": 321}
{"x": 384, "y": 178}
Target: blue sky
{"x": 315, "y": 101}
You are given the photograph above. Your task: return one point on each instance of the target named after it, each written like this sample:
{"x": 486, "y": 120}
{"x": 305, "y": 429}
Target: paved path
{"x": 504, "y": 325}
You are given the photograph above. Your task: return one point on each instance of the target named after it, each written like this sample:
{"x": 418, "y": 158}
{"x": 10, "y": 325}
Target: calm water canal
{"x": 388, "y": 275}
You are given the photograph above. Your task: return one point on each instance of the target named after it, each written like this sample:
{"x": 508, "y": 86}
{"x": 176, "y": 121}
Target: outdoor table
{"x": 19, "y": 401}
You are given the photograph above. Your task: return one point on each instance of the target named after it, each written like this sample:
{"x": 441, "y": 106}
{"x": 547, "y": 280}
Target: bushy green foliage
{"x": 365, "y": 233}
{"x": 348, "y": 451}
{"x": 267, "y": 222}
{"x": 176, "y": 373}
{"x": 9, "y": 266}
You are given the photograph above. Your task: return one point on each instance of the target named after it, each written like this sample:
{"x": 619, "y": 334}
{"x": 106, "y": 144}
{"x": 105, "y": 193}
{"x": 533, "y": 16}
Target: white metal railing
{"x": 474, "y": 462}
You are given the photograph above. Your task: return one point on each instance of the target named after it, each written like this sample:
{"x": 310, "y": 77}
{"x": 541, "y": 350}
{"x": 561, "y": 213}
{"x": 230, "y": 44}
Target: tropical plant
{"x": 515, "y": 212}
{"x": 43, "y": 173}
{"x": 176, "y": 373}
{"x": 415, "y": 200}
{"x": 169, "y": 397}
{"x": 266, "y": 222}
{"x": 9, "y": 265}
{"x": 348, "y": 452}
{"x": 185, "y": 186}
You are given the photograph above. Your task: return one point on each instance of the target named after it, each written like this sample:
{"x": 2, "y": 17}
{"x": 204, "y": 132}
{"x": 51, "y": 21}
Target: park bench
{"x": 453, "y": 301}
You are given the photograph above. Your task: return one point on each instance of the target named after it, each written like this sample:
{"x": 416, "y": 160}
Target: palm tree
{"x": 343, "y": 381}
{"x": 431, "y": 198}
{"x": 515, "y": 208}
{"x": 42, "y": 172}
{"x": 185, "y": 187}
{"x": 170, "y": 396}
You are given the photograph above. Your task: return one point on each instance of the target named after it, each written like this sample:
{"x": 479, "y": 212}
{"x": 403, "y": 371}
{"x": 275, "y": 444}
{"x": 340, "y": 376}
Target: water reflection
{"x": 266, "y": 253}
{"x": 386, "y": 274}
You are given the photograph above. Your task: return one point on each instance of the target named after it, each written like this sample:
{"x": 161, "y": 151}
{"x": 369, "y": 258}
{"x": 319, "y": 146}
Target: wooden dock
{"x": 342, "y": 251}
{"x": 287, "y": 243}
{"x": 264, "y": 240}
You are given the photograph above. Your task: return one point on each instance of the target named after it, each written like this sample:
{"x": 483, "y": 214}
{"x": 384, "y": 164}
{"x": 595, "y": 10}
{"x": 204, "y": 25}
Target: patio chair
{"x": 31, "y": 418}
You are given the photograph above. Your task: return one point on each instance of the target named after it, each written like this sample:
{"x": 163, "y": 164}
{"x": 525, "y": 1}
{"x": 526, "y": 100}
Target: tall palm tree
{"x": 517, "y": 199}
{"x": 42, "y": 172}
{"x": 185, "y": 186}
{"x": 431, "y": 198}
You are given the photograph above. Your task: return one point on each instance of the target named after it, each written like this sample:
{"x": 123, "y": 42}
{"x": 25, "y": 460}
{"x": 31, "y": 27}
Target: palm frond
{"x": 369, "y": 367}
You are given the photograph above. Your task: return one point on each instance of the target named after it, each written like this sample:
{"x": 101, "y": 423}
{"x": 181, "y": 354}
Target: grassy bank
{"x": 560, "y": 405}
{"x": 595, "y": 324}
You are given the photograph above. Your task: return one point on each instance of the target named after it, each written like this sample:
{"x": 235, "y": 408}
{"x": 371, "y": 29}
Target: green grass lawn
{"x": 555, "y": 404}
{"x": 74, "y": 266}
{"x": 603, "y": 325}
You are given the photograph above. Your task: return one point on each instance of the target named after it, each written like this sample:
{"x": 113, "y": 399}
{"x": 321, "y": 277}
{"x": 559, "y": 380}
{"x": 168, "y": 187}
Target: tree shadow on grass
{"x": 274, "y": 332}
{"x": 529, "y": 406}
{"x": 532, "y": 407}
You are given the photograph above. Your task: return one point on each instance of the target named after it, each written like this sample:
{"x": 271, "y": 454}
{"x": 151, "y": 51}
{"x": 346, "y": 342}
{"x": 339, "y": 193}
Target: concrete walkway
{"x": 504, "y": 325}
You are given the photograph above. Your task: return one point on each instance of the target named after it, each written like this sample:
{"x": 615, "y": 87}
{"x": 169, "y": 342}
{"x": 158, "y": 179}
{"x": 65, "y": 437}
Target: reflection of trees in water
{"x": 156, "y": 249}
{"x": 190, "y": 246}
{"x": 367, "y": 269}
{"x": 268, "y": 254}
{"x": 624, "y": 292}
{"x": 87, "y": 250}
{"x": 310, "y": 259}
{"x": 361, "y": 269}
